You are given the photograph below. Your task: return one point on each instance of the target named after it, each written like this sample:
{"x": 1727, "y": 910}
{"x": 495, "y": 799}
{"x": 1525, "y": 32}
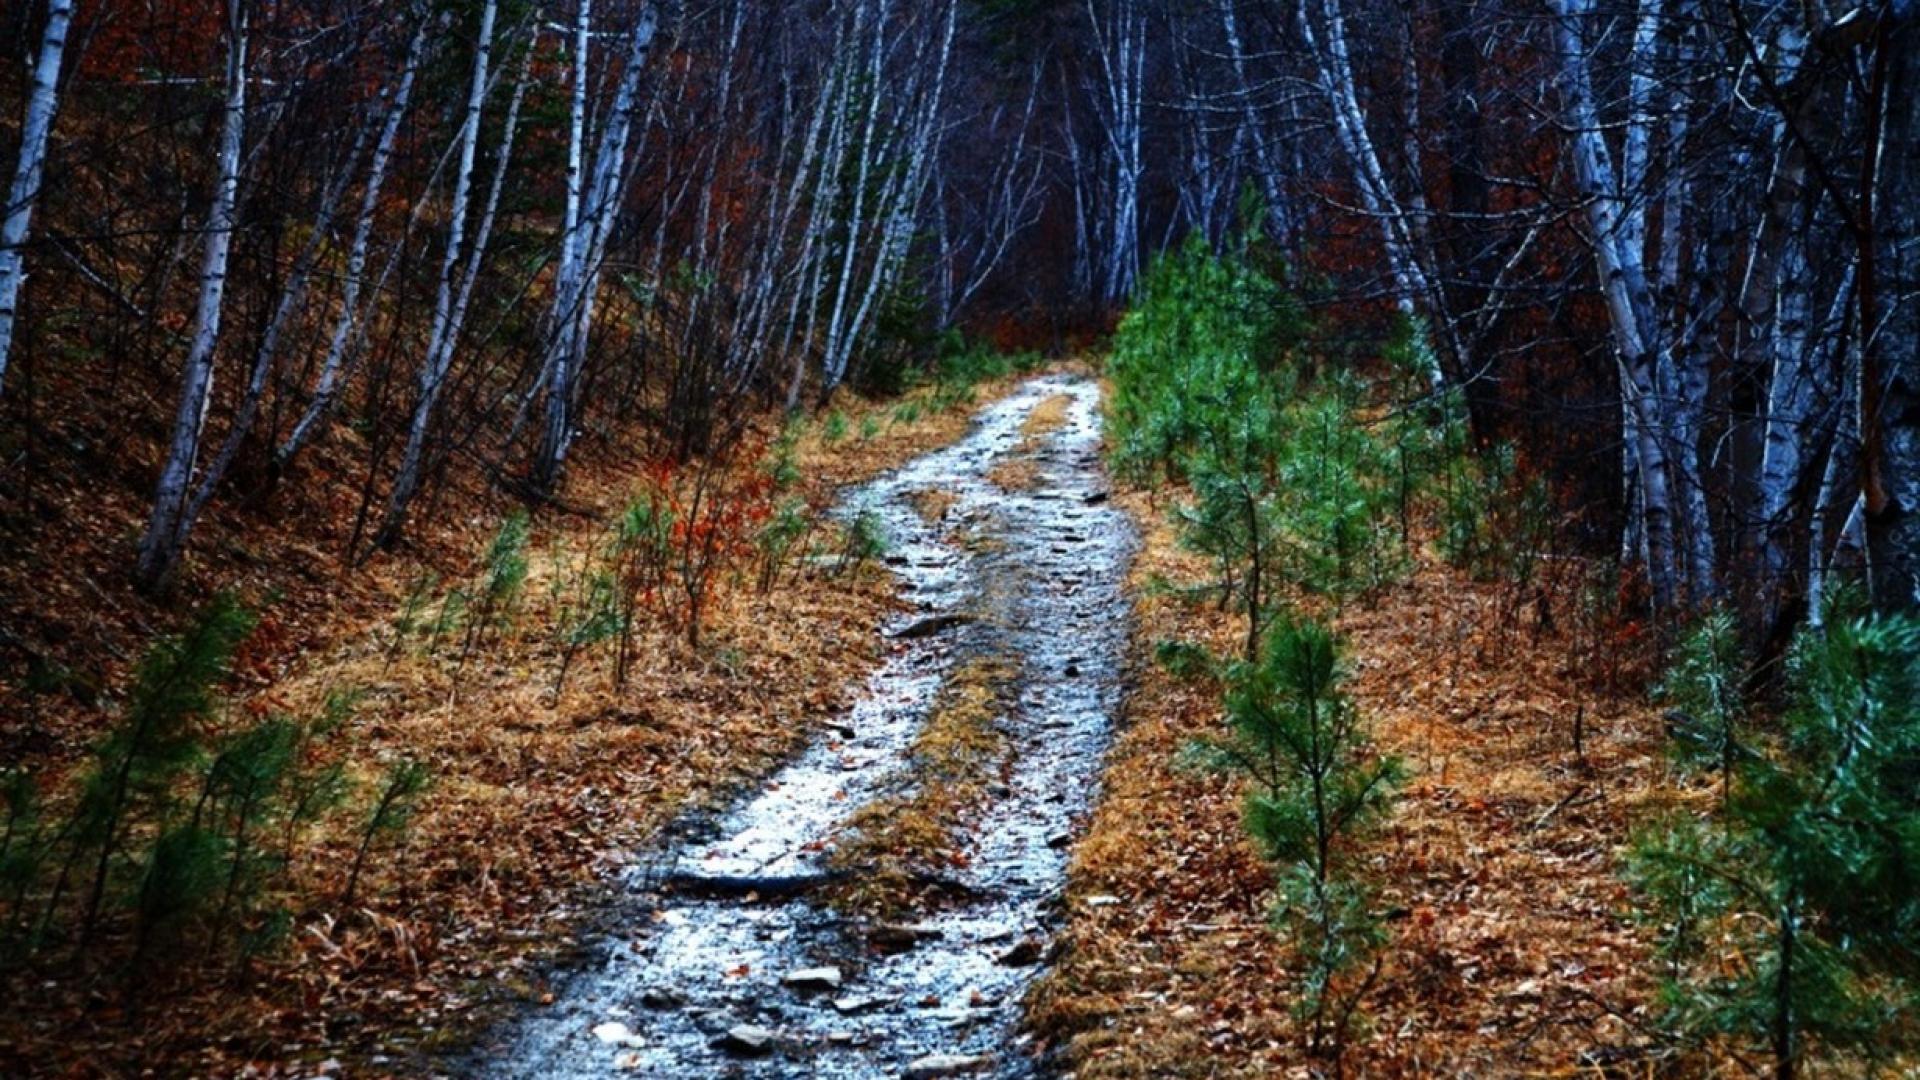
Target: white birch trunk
{"x": 42, "y": 101}
{"x": 574, "y": 320}
{"x": 439, "y": 354}
{"x": 1623, "y": 287}
{"x": 1277, "y": 210}
{"x": 160, "y": 546}
{"x": 333, "y": 365}
{"x": 835, "y": 357}
{"x": 293, "y": 296}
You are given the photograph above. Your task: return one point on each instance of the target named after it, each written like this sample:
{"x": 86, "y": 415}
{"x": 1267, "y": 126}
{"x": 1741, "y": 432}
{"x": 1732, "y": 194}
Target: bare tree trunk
{"x": 1413, "y": 284}
{"x": 836, "y": 358}
{"x": 29, "y": 168}
{"x": 574, "y": 308}
{"x": 161, "y": 544}
{"x": 292, "y": 296}
{"x": 1278, "y": 213}
{"x": 1121, "y": 46}
{"x": 1623, "y": 286}
{"x": 433, "y": 370}
{"x": 339, "y": 342}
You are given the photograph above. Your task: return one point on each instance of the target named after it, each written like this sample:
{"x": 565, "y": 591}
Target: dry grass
{"x": 1019, "y": 471}
{"x": 1046, "y": 418}
{"x": 932, "y": 504}
{"x": 1015, "y": 474}
{"x": 855, "y": 456}
{"x": 1512, "y": 952}
{"x": 897, "y": 848}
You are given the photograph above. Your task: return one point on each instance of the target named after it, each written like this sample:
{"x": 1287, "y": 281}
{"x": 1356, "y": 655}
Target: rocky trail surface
{"x": 729, "y": 958}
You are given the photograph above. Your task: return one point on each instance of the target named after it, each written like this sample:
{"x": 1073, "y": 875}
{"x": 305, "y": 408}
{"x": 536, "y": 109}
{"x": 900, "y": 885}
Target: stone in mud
{"x": 848, "y": 1006}
{"x": 1095, "y": 498}
{"x": 661, "y": 998}
{"x": 1060, "y": 840}
{"x": 935, "y": 1066}
{"x": 820, "y": 978}
{"x": 747, "y": 1040}
{"x": 928, "y": 627}
{"x": 615, "y": 1033}
{"x": 1026, "y": 951}
{"x": 899, "y": 937}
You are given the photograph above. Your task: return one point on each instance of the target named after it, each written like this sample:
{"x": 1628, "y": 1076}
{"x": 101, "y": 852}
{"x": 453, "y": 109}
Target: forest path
{"x": 731, "y": 960}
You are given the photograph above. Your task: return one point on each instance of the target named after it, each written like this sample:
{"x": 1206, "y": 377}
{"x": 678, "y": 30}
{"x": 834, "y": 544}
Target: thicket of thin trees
{"x": 1676, "y": 234}
{"x": 475, "y": 231}
{"x": 1666, "y": 245}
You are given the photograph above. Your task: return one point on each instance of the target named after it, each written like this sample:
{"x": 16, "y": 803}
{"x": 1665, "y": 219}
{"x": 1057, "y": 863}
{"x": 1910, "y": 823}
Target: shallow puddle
{"x": 732, "y": 964}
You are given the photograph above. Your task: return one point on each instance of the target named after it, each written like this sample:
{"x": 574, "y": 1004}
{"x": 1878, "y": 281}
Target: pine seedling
{"x": 1296, "y": 733}
{"x": 593, "y": 621}
{"x": 182, "y": 875}
{"x": 780, "y": 537}
{"x": 1795, "y": 925}
{"x": 865, "y": 541}
{"x": 1703, "y": 692}
{"x": 1317, "y": 791}
{"x": 640, "y": 554}
{"x": 1186, "y": 659}
{"x": 405, "y": 624}
{"x": 783, "y": 467}
{"x": 502, "y": 578}
{"x": 21, "y": 854}
{"x": 834, "y": 428}
{"x": 313, "y": 791}
{"x": 245, "y": 786}
{"x": 391, "y": 811}
{"x": 134, "y": 767}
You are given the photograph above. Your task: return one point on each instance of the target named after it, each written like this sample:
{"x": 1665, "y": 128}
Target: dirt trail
{"x": 701, "y": 979}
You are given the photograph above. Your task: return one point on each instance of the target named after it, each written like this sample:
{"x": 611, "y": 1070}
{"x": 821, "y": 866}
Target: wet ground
{"x": 732, "y": 963}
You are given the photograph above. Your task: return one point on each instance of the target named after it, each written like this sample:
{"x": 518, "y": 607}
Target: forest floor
{"x": 1511, "y": 944}
{"x": 536, "y": 796}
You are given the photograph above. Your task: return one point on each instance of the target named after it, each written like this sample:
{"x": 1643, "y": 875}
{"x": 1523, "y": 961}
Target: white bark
{"x": 160, "y": 546}
{"x": 1400, "y": 236}
{"x": 1120, "y": 44}
{"x": 1267, "y": 172}
{"x": 1623, "y": 287}
{"x": 836, "y": 349}
{"x": 346, "y": 322}
{"x": 439, "y": 354}
{"x": 574, "y": 308}
{"x": 29, "y": 168}
{"x": 293, "y": 296}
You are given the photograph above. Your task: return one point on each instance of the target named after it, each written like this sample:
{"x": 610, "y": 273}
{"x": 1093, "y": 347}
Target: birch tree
{"x": 348, "y": 321}
{"x": 165, "y": 533}
{"x": 446, "y": 309}
{"x": 589, "y": 228}
{"x": 29, "y": 168}
{"x": 1120, "y": 46}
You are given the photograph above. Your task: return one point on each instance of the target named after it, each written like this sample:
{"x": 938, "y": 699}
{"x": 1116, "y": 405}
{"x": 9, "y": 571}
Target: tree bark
{"x": 161, "y": 544}
{"x": 29, "y": 169}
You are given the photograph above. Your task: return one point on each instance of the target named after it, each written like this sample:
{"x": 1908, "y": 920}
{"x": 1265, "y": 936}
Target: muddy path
{"x": 729, "y": 959}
